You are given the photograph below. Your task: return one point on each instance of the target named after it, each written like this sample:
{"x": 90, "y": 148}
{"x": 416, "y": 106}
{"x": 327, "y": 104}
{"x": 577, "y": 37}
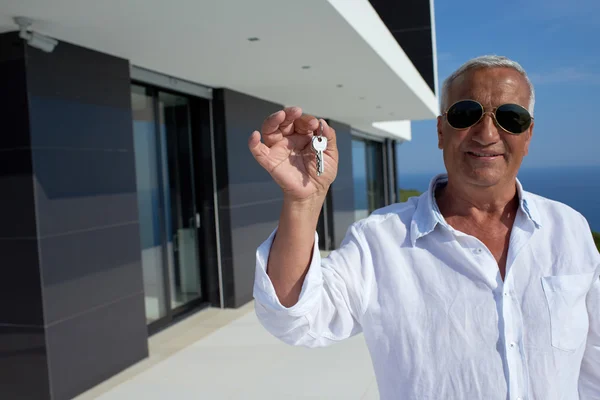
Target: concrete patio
{"x": 226, "y": 354}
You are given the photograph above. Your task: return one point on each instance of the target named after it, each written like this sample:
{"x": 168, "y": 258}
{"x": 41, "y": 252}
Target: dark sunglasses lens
{"x": 513, "y": 118}
{"x": 464, "y": 114}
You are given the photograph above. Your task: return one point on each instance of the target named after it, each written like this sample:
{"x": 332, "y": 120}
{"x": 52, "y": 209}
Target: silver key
{"x": 319, "y": 145}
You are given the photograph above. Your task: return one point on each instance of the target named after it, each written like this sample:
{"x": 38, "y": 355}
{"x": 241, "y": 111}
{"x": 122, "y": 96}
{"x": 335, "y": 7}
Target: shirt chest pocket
{"x": 565, "y": 296}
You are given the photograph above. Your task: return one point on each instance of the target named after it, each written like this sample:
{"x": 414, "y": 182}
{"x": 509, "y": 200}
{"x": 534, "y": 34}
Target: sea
{"x": 578, "y": 187}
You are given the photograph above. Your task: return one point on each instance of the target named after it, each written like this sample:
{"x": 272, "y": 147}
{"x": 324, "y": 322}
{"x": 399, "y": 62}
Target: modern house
{"x": 130, "y": 198}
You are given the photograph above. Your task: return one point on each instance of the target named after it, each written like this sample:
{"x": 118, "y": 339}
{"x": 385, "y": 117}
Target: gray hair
{"x": 491, "y": 61}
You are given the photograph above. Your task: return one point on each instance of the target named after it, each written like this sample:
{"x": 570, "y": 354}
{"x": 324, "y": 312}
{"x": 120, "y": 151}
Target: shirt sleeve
{"x": 589, "y": 376}
{"x": 331, "y": 300}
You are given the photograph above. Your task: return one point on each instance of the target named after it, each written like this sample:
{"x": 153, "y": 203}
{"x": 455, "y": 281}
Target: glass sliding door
{"x": 359, "y": 173}
{"x": 182, "y": 218}
{"x": 168, "y": 217}
{"x": 375, "y": 175}
{"x": 369, "y": 176}
{"x": 148, "y": 175}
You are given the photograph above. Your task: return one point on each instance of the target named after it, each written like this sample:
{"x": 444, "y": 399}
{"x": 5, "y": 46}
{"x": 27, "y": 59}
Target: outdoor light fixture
{"x": 34, "y": 39}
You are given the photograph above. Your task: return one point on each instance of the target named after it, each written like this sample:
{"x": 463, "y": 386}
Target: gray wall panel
{"x": 20, "y": 285}
{"x": 23, "y": 363}
{"x": 89, "y": 269}
{"x": 248, "y": 197}
{"x": 94, "y": 346}
{"x": 342, "y": 189}
{"x": 23, "y": 353}
{"x": 17, "y": 204}
{"x": 79, "y": 190}
{"x": 71, "y": 247}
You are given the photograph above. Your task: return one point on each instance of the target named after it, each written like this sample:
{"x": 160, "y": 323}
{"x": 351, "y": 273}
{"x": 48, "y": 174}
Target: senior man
{"x": 477, "y": 289}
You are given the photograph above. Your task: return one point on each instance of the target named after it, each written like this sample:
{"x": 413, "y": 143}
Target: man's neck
{"x": 478, "y": 203}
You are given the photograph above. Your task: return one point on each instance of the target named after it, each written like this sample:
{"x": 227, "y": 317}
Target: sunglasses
{"x": 511, "y": 118}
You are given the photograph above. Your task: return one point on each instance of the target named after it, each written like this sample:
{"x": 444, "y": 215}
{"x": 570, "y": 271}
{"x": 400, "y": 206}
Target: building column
{"x": 342, "y": 189}
{"x": 71, "y": 290}
{"x": 249, "y": 201}
{"x": 390, "y": 150}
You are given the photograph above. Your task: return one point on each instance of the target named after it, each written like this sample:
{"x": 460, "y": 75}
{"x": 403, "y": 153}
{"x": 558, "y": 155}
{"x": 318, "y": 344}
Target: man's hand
{"x": 287, "y": 154}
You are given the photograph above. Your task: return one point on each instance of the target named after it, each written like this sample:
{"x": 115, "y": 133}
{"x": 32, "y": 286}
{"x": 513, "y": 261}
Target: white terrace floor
{"x": 226, "y": 354}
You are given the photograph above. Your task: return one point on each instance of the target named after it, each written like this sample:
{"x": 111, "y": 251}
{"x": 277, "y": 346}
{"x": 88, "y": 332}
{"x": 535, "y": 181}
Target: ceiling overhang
{"x": 334, "y": 58}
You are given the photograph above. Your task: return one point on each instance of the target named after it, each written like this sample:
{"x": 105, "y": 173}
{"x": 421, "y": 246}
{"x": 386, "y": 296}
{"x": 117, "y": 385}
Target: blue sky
{"x": 558, "y": 44}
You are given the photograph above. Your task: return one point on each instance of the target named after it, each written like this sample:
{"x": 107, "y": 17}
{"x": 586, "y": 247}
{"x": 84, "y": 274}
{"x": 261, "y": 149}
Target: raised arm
{"x": 286, "y": 153}
{"x": 300, "y": 298}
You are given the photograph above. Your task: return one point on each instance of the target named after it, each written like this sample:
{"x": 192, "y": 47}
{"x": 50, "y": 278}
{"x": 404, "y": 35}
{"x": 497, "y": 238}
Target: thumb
{"x": 258, "y": 149}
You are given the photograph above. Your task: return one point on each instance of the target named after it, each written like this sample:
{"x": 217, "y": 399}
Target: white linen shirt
{"x": 439, "y": 321}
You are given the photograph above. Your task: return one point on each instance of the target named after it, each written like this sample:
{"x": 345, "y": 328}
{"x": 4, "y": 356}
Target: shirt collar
{"x": 527, "y": 205}
{"x": 427, "y": 214}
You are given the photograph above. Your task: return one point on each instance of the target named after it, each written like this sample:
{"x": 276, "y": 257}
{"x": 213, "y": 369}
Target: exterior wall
{"x": 72, "y": 297}
{"x": 342, "y": 189}
{"x": 24, "y": 360}
{"x": 249, "y": 200}
{"x": 390, "y": 149}
{"x": 72, "y": 300}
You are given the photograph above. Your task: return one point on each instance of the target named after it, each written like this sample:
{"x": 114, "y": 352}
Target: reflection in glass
{"x": 182, "y": 220}
{"x": 148, "y": 189}
{"x": 368, "y": 175}
{"x": 375, "y": 175}
{"x": 397, "y": 149}
{"x": 359, "y": 174}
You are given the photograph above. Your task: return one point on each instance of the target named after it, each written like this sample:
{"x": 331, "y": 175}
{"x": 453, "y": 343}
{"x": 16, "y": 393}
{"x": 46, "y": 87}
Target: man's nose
{"x": 486, "y": 131}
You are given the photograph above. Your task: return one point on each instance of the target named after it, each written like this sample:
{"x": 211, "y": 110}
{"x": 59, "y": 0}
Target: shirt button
{"x": 512, "y": 345}
{"x": 506, "y": 294}
{"x": 478, "y": 251}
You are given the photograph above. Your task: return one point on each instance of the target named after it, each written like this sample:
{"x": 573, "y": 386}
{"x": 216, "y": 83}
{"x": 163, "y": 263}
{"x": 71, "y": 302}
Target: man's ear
{"x": 440, "y": 123}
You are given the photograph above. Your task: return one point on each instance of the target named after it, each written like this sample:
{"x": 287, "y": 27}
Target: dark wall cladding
{"x": 24, "y": 363}
{"x": 71, "y": 249}
{"x": 342, "y": 189}
{"x": 21, "y": 300}
{"x": 409, "y": 21}
{"x": 249, "y": 200}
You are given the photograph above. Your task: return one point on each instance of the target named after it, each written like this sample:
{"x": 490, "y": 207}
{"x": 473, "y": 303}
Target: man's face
{"x": 491, "y": 87}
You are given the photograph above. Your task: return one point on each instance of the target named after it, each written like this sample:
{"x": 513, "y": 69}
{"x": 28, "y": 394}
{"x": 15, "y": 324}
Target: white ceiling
{"x": 205, "y": 41}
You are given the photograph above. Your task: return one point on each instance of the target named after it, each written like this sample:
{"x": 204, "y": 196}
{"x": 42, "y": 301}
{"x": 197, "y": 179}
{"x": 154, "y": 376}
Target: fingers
{"x": 306, "y": 124}
{"x": 290, "y": 121}
{"x": 329, "y": 133}
{"x": 281, "y": 120}
{"x": 291, "y": 114}
{"x": 272, "y": 122}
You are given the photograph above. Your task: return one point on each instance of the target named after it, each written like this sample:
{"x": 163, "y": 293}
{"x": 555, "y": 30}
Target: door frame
{"x": 208, "y": 225}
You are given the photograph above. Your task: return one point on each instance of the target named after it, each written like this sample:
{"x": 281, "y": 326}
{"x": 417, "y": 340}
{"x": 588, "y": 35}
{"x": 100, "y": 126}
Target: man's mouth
{"x": 484, "y": 155}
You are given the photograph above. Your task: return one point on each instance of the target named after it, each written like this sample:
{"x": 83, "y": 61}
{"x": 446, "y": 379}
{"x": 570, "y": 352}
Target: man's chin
{"x": 484, "y": 177}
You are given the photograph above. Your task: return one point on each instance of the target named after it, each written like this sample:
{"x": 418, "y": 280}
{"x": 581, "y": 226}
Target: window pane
{"x": 183, "y": 266}
{"x": 148, "y": 189}
{"x": 359, "y": 173}
{"x": 375, "y": 176}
